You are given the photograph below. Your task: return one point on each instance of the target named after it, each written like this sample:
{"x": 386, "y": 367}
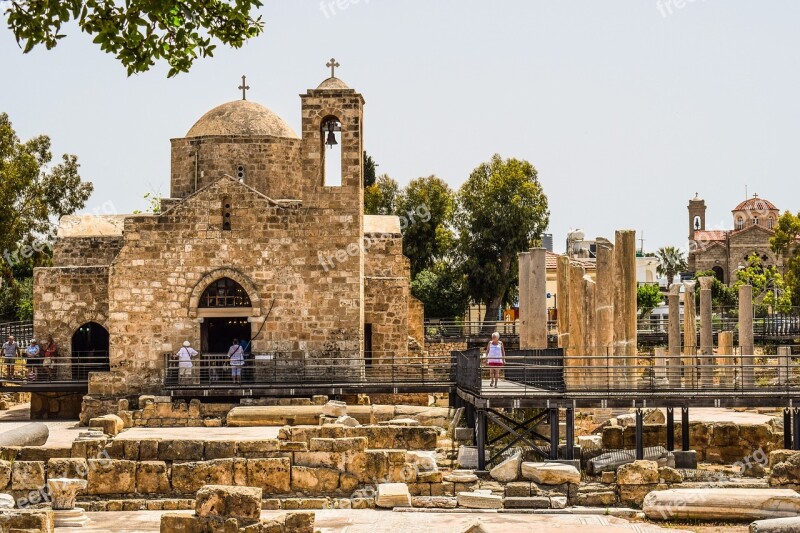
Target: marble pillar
{"x": 605, "y": 297}
{"x": 784, "y": 360}
{"x": 674, "y": 326}
{"x": 746, "y": 335}
{"x": 538, "y": 298}
{"x": 661, "y": 368}
{"x": 625, "y": 303}
{"x": 525, "y": 309}
{"x": 706, "y": 349}
{"x": 725, "y": 361}
{"x": 689, "y": 327}
{"x": 576, "y": 322}
{"x": 562, "y": 302}
{"x": 590, "y": 331}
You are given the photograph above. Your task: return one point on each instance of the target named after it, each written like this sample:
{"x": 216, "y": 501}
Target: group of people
{"x": 235, "y": 359}
{"x": 39, "y": 358}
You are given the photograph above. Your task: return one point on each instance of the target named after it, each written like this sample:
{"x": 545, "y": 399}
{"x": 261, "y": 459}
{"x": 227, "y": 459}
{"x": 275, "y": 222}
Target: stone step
{"x": 531, "y": 502}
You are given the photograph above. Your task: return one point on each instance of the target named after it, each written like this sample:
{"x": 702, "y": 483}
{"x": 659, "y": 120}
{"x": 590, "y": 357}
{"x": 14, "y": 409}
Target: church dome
{"x": 756, "y": 204}
{"x": 241, "y": 117}
{"x": 333, "y": 84}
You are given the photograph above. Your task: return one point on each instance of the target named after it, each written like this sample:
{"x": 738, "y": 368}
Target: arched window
{"x": 332, "y": 152}
{"x": 739, "y": 223}
{"x": 770, "y": 222}
{"x": 225, "y": 293}
{"x": 755, "y": 221}
{"x": 697, "y": 224}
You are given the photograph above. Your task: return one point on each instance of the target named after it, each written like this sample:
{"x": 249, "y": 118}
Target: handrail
{"x": 74, "y": 368}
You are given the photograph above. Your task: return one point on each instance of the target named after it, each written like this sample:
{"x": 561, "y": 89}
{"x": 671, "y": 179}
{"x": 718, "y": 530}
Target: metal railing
{"x": 60, "y": 369}
{"x": 459, "y": 329}
{"x": 22, "y": 332}
{"x": 523, "y": 371}
{"x": 297, "y": 369}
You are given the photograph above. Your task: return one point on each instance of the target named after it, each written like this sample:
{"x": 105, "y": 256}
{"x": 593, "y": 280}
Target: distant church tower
{"x": 697, "y": 222}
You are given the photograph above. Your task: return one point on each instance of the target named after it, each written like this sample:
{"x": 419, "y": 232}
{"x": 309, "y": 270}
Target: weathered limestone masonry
{"x": 674, "y": 326}
{"x": 625, "y": 300}
{"x": 746, "y": 349}
{"x": 605, "y": 297}
{"x": 725, "y": 358}
{"x": 533, "y": 299}
{"x": 563, "y": 303}
{"x": 576, "y": 376}
{"x": 281, "y": 231}
{"x": 706, "y": 331}
{"x": 690, "y": 331}
{"x": 590, "y": 323}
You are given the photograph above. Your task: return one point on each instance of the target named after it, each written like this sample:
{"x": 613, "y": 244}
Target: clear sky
{"x": 626, "y": 108}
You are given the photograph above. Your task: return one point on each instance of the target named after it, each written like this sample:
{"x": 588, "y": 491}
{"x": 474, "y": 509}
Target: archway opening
{"x": 89, "y": 350}
{"x": 225, "y": 307}
{"x": 719, "y": 273}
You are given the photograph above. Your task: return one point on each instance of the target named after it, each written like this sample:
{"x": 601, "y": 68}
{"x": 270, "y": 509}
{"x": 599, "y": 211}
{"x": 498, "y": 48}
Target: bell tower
{"x": 697, "y": 215}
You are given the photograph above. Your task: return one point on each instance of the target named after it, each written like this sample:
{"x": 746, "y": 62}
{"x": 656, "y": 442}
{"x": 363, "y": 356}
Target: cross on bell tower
{"x": 333, "y": 65}
{"x": 244, "y": 87}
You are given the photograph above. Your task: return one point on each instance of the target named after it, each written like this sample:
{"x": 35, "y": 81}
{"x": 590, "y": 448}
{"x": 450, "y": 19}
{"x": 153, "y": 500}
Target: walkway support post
{"x": 787, "y": 428}
{"x": 796, "y": 428}
{"x": 670, "y": 429}
{"x": 570, "y": 437}
{"x": 480, "y": 430}
{"x": 639, "y": 434}
{"x": 554, "y": 433}
{"x": 685, "y": 428}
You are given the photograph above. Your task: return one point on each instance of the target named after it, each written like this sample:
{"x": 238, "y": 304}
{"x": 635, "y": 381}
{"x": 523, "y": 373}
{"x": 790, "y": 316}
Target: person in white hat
{"x": 185, "y": 355}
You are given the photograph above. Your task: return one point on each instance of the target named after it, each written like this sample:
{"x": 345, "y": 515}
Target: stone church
{"x": 261, "y": 224}
{"x": 725, "y": 251}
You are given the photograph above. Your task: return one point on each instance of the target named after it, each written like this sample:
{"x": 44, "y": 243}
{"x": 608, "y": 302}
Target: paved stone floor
{"x": 370, "y": 521}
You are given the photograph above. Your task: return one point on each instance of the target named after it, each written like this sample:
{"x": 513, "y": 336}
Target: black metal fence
{"x": 54, "y": 370}
{"x": 523, "y": 371}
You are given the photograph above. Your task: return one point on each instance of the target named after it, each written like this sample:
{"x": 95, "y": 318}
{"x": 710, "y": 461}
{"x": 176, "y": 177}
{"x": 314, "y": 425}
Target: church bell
{"x": 331, "y": 139}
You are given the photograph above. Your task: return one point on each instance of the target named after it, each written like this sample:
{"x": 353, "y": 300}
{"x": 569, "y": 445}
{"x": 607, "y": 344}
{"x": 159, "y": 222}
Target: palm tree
{"x": 670, "y": 262}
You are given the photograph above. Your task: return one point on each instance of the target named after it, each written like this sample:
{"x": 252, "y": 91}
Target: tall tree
{"x": 785, "y": 243}
{"x": 370, "y": 167}
{"x": 768, "y": 286}
{"x": 380, "y": 198}
{"x": 426, "y": 207}
{"x": 671, "y": 262}
{"x": 443, "y": 290}
{"x": 139, "y": 32}
{"x": 502, "y": 210}
{"x": 34, "y": 195}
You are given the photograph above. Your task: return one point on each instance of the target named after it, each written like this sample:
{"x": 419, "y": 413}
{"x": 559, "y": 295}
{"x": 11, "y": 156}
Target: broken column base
{"x": 685, "y": 459}
{"x": 70, "y": 517}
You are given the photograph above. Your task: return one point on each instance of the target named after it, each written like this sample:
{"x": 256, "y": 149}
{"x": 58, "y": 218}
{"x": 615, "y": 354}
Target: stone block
{"x": 27, "y": 475}
{"x": 667, "y": 474}
{"x": 434, "y": 502}
{"x": 89, "y": 448}
{"x": 467, "y": 457}
{"x": 334, "y": 409}
{"x": 272, "y": 475}
{"x": 558, "y": 502}
{"x": 111, "y": 476}
{"x": 634, "y": 495}
{"x": 551, "y": 473}
{"x": 335, "y": 460}
{"x": 530, "y": 502}
{"x": 392, "y": 495}
{"x": 152, "y": 477}
{"x": 429, "y": 477}
{"x": 461, "y": 476}
{"x": 370, "y": 466}
{"x": 479, "y": 500}
{"x": 27, "y": 520}
{"x": 5, "y": 474}
{"x": 189, "y": 477}
{"x": 180, "y": 450}
{"x": 685, "y": 460}
{"x": 180, "y": 523}
{"x": 257, "y": 448}
{"x": 110, "y": 424}
{"x": 222, "y": 501}
{"x": 508, "y": 470}
{"x": 638, "y": 473}
{"x": 74, "y": 468}
{"x": 595, "y": 495}
{"x": 779, "y": 456}
{"x": 312, "y": 481}
{"x": 518, "y": 489}
{"x": 219, "y": 449}
{"x": 299, "y": 523}
{"x": 148, "y": 449}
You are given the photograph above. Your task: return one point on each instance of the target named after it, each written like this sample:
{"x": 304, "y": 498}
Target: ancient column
{"x": 576, "y": 321}
{"x": 562, "y": 302}
{"x": 605, "y": 298}
{"x": 538, "y": 298}
{"x": 727, "y": 376}
{"x": 674, "y": 326}
{"x": 706, "y": 351}
{"x": 525, "y": 309}
{"x": 662, "y": 368}
{"x": 784, "y": 359}
{"x": 689, "y": 329}
{"x": 590, "y": 333}
{"x": 625, "y": 302}
{"x": 746, "y": 334}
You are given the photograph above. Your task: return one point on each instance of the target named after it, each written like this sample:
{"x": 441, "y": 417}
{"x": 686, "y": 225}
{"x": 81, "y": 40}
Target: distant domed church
{"x": 725, "y": 251}
{"x": 260, "y": 221}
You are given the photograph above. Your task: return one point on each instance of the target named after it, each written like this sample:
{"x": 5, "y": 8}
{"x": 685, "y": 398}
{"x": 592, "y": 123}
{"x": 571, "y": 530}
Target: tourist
{"x": 496, "y": 358}
{"x": 33, "y": 360}
{"x": 10, "y": 349}
{"x": 185, "y": 355}
{"x": 50, "y": 354}
{"x": 236, "y": 356}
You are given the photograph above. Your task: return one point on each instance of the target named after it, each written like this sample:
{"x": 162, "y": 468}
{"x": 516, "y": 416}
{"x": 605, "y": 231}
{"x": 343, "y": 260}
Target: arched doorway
{"x": 225, "y": 307}
{"x": 89, "y": 350}
{"x": 719, "y": 273}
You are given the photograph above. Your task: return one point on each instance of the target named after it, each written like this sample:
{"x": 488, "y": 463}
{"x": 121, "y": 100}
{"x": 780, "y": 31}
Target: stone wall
{"x": 168, "y": 261}
{"x": 416, "y": 320}
{"x": 271, "y": 164}
{"x": 86, "y": 251}
{"x": 55, "y": 405}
